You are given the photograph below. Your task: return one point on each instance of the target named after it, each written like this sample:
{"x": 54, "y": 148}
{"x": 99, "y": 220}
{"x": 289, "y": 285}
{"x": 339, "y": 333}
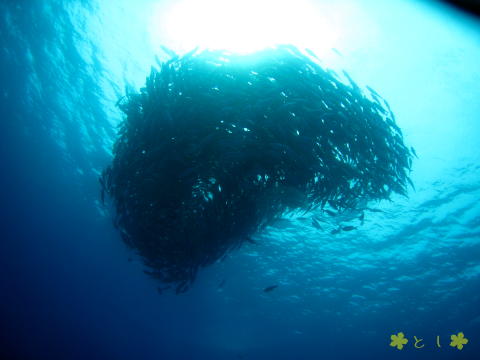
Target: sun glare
{"x": 241, "y": 26}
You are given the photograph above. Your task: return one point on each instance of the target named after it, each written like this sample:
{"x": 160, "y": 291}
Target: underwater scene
{"x": 208, "y": 179}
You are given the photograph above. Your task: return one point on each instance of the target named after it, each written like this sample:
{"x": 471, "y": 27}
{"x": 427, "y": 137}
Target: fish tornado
{"x": 217, "y": 146}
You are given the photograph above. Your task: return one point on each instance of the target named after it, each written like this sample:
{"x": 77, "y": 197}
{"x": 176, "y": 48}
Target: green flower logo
{"x": 398, "y": 340}
{"x": 458, "y": 340}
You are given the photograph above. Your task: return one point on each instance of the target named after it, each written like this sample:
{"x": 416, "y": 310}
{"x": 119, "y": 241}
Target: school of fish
{"x": 217, "y": 146}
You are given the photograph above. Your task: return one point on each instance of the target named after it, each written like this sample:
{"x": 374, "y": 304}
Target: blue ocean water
{"x": 70, "y": 289}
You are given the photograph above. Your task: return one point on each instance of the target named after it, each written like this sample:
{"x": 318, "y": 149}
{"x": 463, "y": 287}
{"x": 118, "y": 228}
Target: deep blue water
{"x": 67, "y": 287}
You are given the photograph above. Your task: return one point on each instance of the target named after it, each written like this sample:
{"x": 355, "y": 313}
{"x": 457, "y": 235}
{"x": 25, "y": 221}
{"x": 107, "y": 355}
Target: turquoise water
{"x": 70, "y": 289}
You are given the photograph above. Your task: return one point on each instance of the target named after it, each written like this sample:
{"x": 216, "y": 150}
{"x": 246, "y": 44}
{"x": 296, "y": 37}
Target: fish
{"x": 333, "y": 204}
{"x": 411, "y": 183}
{"x": 222, "y": 284}
{"x": 331, "y": 213}
{"x": 181, "y": 287}
{"x": 158, "y": 61}
{"x": 250, "y": 240}
{"x": 335, "y": 231}
{"x": 348, "y": 228}
{"x": 160, "y": 290}
{"x": 191, "y": 53}
{"x": 316, "y": 224}
{"x": 270, "y": 288}
{"x": 102, "y": 188}
{"x": 337, "y": 51}
{"x": 373, "y": 92}
{"x": 374, "y": 210}
{"x": 311, "y": 53}
{"x": 307, "y": 141}
{"x": 169, "y": 52}
{"x": 413, "y": 152}
{"x": 361, "y": 217}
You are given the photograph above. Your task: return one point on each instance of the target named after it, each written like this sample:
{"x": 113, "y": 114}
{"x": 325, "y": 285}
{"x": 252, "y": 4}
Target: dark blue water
{"x": 70, "y": 289}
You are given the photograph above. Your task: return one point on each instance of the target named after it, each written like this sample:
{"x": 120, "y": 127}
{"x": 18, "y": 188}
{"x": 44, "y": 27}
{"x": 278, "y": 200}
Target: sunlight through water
{"x": 243, "y": 26}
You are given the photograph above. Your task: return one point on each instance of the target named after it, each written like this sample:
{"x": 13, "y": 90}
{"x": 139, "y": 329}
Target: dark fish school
{"x": 217, "y": 146}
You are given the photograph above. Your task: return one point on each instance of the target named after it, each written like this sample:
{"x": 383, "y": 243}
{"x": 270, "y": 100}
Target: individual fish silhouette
{"x": 311, "y": 53}
{"x": 335, "y": 231}
{"x": 169, "y": 52}
{"x": 374, "y": 210}
{"x": 331, "y": 213}
{"x": 337, "y": 52}
{"x": 160, "y": 290}
{"x": 348, "y": 228}
{"x": 411, "y": 183}
{"x": 250, "y": 240}
{"x": 361, "y": 218}
{"x": 316, "y": 224}
{"x": 270, "y": 288}
{"x": 102, "y": 190}
{"x": 181, "y": 287}
{"x": 333, "y": 204}
{"x": 414, "y": 152}
{"x": 222, "y": 284}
